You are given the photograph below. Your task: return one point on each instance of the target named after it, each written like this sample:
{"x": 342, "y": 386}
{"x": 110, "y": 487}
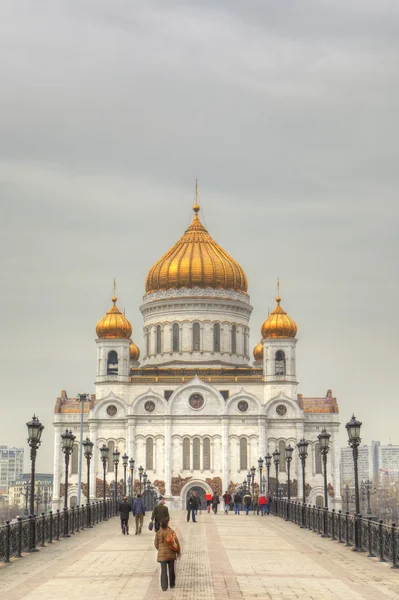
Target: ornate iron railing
{"x": 34, "y": 532}
{"x": 373, "y": 537}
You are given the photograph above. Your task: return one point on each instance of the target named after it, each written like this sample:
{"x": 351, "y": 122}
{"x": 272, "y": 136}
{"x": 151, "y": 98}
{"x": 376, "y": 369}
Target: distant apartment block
{"x": 11, "y": 466}
{"x": 365, "y": 467}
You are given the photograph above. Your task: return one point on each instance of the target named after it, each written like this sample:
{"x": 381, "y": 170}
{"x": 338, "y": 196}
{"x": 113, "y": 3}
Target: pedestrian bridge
{"x": 224, "y": 556}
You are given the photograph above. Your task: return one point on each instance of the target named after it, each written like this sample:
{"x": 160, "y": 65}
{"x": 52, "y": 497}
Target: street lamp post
{"x": 131, "y": 467}
{"x": 81, "y": 398}
{"x": 303, "y": 453}
{"x": 88, "y": 450}
{"x": 268, "y": 462}
{"x": 116, "y": 454}
{"x": 145, "y": 477}
{"x": 324, "y": 441}
{"x": 253, "y": 471}
{"x": 367, "y": 487}
{"x": 353, "y": 428}
{"x": 24, "y": 491}
{"x": 104, "y": 451}
{"x": 67, "y": 446}
{"x": 141, "y": 471}
{"x": 288, "y": 457}
{"x": 276, "y": 460}
{"x": 260, "y": 466}
{"x": 35, "y": 430}
{"x": 38, "y": 496}
{"x": 125, "y": 460}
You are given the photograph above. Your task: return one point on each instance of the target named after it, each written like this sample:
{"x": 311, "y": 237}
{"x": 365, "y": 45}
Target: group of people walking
{"x": 259, "y": 503}
{"x": 166, "y": 541}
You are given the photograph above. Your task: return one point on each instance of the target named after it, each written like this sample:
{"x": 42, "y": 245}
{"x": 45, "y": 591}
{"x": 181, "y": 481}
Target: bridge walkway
{"x": 224, "y": 557}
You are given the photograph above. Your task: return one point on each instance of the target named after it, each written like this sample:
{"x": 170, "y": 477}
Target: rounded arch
{"x": 294, "y": 412}
{"x": 110, "y": 399}
{"x": 195, "y": 385}
{"x": 317, "y": 490}
{"x": 243, "y": 395}
{"x": 192, "y": 484}
{"x": 150, "y": 394}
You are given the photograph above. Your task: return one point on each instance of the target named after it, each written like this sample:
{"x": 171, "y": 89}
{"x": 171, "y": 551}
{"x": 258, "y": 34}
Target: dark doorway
{"x": 200, "y": 494}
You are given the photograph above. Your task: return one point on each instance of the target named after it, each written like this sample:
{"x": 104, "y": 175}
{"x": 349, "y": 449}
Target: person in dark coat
{"x": 138, "y": 512}
{"x": 215, "y": 502}
{"x": 226, "y": 500}
{"x": 237, "y": 503}
{"x": 192, "y": 506}
{"x": 160, "y": 512}
{"x": 124, "y": 511}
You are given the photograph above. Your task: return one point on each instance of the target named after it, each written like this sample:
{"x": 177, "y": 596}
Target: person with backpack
{"x": 227, "y": 501}
{"x": 237, "y": 503}
{"x": 124, "y": 511}
{"x": 167, "y": 544}
{"x": 138, "y": 513}
{"x": 160, "y": 512}
{"x": 247, "y": 502}
{"x": 215, "y": 502}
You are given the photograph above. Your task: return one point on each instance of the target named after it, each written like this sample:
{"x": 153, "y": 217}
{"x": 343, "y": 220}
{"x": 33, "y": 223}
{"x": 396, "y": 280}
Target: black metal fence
{"x": 373, "y": 537}
{"x": 28, "y": 535}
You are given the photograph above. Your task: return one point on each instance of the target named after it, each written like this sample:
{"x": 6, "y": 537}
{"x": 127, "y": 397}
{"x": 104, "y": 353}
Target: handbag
{"x": 173, "y": 542}
{"x": 150, "y": 525}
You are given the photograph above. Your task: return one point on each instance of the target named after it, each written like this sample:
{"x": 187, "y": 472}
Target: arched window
{"x": 207, "y": 454}
{"x": 111, "y": 448}
{"x": 158, "y": 335}
{"x": 319, "y": 501}
{"x": 74, "y": 459}
{"x": 196, "y": 454}
{"x": 196, "y": 337}
{"x": 73, "y": 502}
{"x": 186, "y": 454}
{"x": 317, "y": 459}
{"x": 175, "y": 334}
{"x": 234, "y": 340}
{"x": 243, "y": 454}
{"x": 149, "y": 454}
{"x": 245, "y": 343}
{"x": 281, "y": 449}
{"x": 216, "y": 337}
{"x": 279, "y": 362}
{"x": 112, "y": 363}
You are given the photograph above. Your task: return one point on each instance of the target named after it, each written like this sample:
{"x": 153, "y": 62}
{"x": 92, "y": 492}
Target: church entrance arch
{"x": 195, "y": 485}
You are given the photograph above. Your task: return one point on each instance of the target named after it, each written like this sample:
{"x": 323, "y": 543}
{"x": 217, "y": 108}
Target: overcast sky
{"x": 287, "y": 112}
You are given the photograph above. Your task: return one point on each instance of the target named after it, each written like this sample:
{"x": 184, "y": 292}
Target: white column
{"x": 225, "y": 453}
{"x": 168, "y": 456}
{"x": 57, "y": 464}
{"x": 335, "y": 472}
{"x": 131, "y": 438}
{"x": 262, "y": 437}
{"x": 94, "y": 460}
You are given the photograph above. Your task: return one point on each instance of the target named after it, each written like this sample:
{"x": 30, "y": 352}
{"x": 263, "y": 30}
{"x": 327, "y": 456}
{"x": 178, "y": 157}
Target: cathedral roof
{"x": 134, "y": 352}
{"x": 278, "y": 324}
{"x": 196, "y": 260}
{"x": 114, "y": 324}
{"x": 328, "y": 404}
{"x": 258, "y": 352}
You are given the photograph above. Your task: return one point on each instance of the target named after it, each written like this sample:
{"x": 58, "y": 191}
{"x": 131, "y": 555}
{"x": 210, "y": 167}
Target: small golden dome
{"x": 278, "y": 324}
{"x": 114, "y": 324}
{"x": 258, "y": 352}
{"x": 196, "y": 260}
{"x": 134, "y": 352}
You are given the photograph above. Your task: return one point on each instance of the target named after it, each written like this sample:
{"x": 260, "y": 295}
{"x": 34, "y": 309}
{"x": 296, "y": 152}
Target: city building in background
{"x": 197, "y": 414}
{"x": 385, "y": 461}
{"x": 11, "y": 466}
{"x": 19, "y": 492}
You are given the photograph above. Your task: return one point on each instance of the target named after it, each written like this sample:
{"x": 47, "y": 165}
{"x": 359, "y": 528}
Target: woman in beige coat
{"x": 166, "y": 556}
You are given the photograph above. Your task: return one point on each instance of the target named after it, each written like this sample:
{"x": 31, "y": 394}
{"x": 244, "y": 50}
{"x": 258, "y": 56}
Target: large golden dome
{"x": 196, "y": 260}
{"x": 114, "y": 324}
{"x": 278, "y": 324}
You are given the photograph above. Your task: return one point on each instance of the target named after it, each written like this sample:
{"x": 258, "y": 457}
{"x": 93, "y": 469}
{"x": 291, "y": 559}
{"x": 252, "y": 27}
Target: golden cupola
{"x": 114, "y": 324}
{"x": 196, "y": 260}
{"x": 134, "y": 352}
{"x": 258, "y": 352}
{"x": 278, "y": 324}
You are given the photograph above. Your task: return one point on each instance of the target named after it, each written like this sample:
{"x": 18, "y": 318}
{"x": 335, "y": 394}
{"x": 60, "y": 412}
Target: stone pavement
{"x": 224, "y": 557}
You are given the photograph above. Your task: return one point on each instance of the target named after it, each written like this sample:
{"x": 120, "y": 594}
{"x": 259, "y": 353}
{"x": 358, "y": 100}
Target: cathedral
{"x": 196, "y": 411}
